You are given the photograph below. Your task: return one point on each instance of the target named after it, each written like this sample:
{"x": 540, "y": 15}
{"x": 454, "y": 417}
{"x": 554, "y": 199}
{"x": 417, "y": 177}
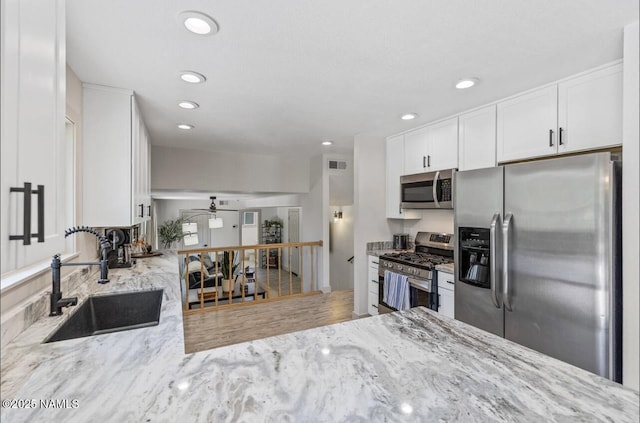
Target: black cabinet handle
{"x": 141, "y": 210}
{"x": 550, "y": 137}
{"x": 26, "y": 214}
{"x": 40, "y": 192}
{"x": 149, "y": 210}
{"x": 428, "y": 161}
{"x": 399, "y": 208}
{"x": 424, "y": 161}
{"x": 560, "y": 136}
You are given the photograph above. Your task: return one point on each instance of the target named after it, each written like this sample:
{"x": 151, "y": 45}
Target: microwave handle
{"x": 435, "y": 189}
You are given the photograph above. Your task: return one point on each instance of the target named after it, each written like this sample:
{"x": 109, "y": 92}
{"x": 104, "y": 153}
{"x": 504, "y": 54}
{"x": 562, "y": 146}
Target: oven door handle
{"x": 414, "y": 283}
{"x": 435, "y": 189}
{"x": 493, "y": 273}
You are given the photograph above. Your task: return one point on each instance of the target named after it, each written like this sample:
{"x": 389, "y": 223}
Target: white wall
{"x": 193, "y": 170}
{"x": 432, "y": 221}
{"x": 369, "y": 210}
{"x": 312, "y": 223}
{"x": 630, "y": 207}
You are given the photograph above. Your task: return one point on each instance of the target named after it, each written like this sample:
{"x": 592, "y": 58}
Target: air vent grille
{"x": 337, "y": 164}
{"x": 224, "y": 202}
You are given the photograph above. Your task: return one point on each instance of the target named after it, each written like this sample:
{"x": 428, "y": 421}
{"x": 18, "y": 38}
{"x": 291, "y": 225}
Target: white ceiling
{"x": 285, "y": 75}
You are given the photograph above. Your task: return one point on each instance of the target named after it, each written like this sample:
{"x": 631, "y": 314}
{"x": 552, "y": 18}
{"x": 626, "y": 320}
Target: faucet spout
{"x": 56, "y": 300}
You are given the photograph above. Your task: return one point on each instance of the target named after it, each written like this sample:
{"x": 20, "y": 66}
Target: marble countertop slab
{"x": 379, "y": 253}
{"x": 445, "y": 267}
{"x": 409, "y": 366}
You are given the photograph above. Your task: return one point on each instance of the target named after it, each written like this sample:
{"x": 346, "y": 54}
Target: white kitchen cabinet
{"x": 477, "y": 139}
{"x": 443, "y": 145}
{"x": 527, "y": 125}
{"x": 431, "y": 148}
{"x": 416, "y": 147}
{"x": 590, "y": 111}
{"x": 372, "y": 284}
{"x": 446, "y": 292}
{"x": 580, "y": 113}
{"x": 394, "y": 169}
{"x": 33, "y": 130}
{"x": 115, "y": 156}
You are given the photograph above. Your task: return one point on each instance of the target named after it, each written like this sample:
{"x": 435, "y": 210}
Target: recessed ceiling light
{"x": 409, "y": 116}
{"x": 192, "y": 77}
{"x": 185, "y": 126}
{"x": 188, "y": 105}
{"x": 198, "y": 22}
{"x": 466, "y": 83}
{"x": 327, "y": 142}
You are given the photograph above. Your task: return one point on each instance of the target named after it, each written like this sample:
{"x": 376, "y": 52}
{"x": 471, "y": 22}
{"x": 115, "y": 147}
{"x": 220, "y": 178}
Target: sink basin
{"x": 111, "y": 313}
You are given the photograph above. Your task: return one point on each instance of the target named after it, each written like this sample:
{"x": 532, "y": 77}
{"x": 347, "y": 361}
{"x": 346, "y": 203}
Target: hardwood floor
{"x": 203, "y": 331}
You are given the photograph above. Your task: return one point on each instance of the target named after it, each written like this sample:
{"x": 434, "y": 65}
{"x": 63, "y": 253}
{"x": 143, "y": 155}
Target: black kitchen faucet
{"x": 57, "y": 302}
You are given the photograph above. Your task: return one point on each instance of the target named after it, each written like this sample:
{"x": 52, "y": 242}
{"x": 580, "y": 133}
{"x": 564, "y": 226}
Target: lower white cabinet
{"x": 372, "y": 283}
{"x": 446, "y": 291}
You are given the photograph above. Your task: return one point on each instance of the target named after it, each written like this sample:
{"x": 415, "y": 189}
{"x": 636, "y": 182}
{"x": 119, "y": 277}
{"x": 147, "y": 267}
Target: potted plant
{"x": 272, "y": 225}
{"x": 228, "y": 269}
{"x": 169, "y": 232}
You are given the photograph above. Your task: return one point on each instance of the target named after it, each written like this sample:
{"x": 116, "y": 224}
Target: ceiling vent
{"x": 337, "y": 164}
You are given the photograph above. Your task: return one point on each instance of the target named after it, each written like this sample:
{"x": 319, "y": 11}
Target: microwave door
{"x": 418, "y": 195}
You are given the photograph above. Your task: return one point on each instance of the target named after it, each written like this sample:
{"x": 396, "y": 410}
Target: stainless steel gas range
{"x": 407, "y": 279}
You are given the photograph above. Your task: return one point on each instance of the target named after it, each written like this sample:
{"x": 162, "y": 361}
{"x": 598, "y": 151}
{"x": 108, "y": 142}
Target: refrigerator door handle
{"x": 505, "y": 261}
{"x": 435, "y": 189}
{"x": 493, "y": 240}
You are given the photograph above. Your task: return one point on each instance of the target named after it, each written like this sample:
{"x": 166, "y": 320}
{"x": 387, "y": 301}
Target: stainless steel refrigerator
{"x": 538, "y": 257}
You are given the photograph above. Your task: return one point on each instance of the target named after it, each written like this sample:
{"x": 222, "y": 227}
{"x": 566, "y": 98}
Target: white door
{"x": 249, "y": 228}
{"x": 527, "y": 125}
{"x": 294, "y": 236}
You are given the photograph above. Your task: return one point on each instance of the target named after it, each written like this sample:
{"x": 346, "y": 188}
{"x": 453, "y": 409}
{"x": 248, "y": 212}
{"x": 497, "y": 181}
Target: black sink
{"x": 111, "y": 313}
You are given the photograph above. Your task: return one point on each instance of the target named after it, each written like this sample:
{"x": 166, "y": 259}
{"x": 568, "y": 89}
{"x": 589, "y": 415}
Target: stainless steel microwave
{"x": 431, "y": 190}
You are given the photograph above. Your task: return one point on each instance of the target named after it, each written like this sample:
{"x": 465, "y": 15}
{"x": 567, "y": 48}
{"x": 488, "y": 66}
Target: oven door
{"x": 421, "y": 293}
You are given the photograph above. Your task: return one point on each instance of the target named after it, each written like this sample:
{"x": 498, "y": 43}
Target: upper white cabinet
{"x": 116, "y": 191}
{"x": 581, "y": 113}
{"x": 34, "y": 149}
{"x": 590, "y": 111}
{"x": 433, "y": 147}
{"x": 443, "y": 145}
{"x": 394, "y": 169}
{"x": 527, "y": 125}
{"x": 416, "y": 149}
{"x": 477, "y": 139}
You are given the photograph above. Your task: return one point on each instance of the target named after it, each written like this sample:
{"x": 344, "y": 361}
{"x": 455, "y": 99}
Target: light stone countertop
{"x": 445, "y": 268}
{"x": 379, "y": 253}
{"x": 409, "y": 366}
